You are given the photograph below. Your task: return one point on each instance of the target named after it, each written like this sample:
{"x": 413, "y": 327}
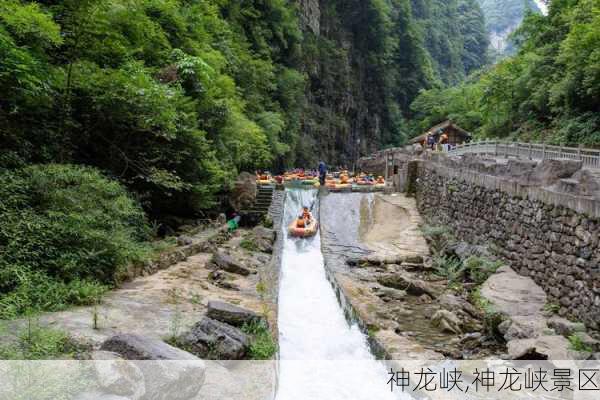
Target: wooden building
{"x": 456, "y": 135}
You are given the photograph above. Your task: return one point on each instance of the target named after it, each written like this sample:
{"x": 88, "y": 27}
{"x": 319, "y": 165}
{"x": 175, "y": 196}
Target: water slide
{"x": 322, "y": 356}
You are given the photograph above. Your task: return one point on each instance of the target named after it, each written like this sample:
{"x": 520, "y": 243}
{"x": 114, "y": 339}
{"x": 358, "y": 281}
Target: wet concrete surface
{"x": 346, "y": 221}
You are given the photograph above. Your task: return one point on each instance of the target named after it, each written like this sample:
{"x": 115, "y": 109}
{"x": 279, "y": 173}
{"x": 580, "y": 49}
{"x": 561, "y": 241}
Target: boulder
{"x": 446, "y": 321}
{"x": 216, "y": 340}
{"x": 512, "y": 294}
{"x": 451, "y": 302}
{"x": 264, "y": 238}
{"x": 549, "y": 172}
{"x": 136, "y": 347}
{"x": 406, "y": 283}
{"x": 222, "y": 280}
{"x": 519, "y": 300}
{"x": 120, "y": 377}
{"x": 232, "y": 315}
{"x": 518, "y": 168}
{"x": 97, "y": 395}
{"x": 173, "y": 375}
{"x": 184, "y": 240}
{"x": 100, "y": 355}
{"x": 564, "y": 327}
{"x": 226, "y": 262}
{"x": 390, "y": 294}
{"x": 243, "y": 194}
{"x": 552, "y": 347}
{"x": 522, "y": 328}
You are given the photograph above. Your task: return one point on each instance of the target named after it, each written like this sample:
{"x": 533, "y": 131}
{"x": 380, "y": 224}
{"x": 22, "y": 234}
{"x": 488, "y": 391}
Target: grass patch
{"x": 261, "y": 288}
{"x": 577, "y": 344}
{"x": 552, "y": 307}
{"x": 491, "y": 317}
{"x": 36, "y": 292}
{"x": 372, "y": 330}
{"x": 267, "y": 222}
{"x": 438, "y": 237}
{"x": 448, "y": 268}
{"x": 473, "y": 269}
{"x": 39, "y": 343}
{"x": 248, "y": 244}
{"x": 262, "y": 345}
{"x": 480, "y": 269}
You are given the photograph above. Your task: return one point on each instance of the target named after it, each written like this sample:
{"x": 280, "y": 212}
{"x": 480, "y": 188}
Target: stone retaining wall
{"x": 551, "y": 236}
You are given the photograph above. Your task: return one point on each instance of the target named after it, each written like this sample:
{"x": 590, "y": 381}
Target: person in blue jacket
{"x": 322, "y": 172}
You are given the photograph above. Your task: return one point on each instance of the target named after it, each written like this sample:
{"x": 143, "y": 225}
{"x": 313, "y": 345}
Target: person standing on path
{"x": 322, "y": 172}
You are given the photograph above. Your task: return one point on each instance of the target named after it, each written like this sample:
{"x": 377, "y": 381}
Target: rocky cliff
{"x": 503, "y": 17}
{"x": 310, "y": 13}
{"x": 366, "y": 60}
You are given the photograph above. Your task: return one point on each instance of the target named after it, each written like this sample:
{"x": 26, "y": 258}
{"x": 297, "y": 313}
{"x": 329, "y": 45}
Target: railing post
{"x": 543, "y": 151}
{"x": 579, "y": 152}
{"x": 530, "y": 151}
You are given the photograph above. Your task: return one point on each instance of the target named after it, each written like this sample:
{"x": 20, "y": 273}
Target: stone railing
{"x": 531, "y": 151}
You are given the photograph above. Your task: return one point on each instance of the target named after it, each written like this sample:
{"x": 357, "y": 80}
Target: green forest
{"x": 119, "y": 118}
{"x": 548, "y": 92}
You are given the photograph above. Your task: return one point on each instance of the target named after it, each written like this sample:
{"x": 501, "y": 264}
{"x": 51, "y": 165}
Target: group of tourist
{"x": 439, "y": 138}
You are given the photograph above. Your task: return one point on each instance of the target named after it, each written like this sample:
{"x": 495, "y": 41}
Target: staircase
{"x": 264, "y": 197}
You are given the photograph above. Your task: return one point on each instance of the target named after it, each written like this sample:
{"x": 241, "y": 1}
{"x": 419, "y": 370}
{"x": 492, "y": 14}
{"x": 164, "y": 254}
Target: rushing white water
{"x": 321, "y": 355}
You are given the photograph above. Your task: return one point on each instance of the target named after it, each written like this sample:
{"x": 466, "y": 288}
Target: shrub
{"x": 438, "y": 237}
{"x": 262, "y": 345}
{"x": 480, "y": 269}
{"x": 491, "y": 318}
{"x": 65, "y": 231}
{"x": 39, "y": 343}
{"x": 449, "y": 268}
{"x": 578, "y": 344}
{"x": 249, "y": 243}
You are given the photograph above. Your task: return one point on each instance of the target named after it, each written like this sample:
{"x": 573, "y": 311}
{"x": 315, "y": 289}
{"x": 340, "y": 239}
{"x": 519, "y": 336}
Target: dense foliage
{"x": 455, "y": 36}
{"x": 550, "y": 91}
{"x": 64, "y": 232}
{"x": 118, "y": 112}
{"x": 170, "y": 97}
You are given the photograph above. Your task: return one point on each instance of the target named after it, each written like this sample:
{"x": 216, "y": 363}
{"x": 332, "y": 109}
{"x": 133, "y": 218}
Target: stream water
{"x": 322, "y": 356}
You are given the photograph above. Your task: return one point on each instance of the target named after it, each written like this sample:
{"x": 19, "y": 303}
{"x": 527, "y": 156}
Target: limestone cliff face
{"x": 310, "y": 13}
{"x": 344, "y": 113}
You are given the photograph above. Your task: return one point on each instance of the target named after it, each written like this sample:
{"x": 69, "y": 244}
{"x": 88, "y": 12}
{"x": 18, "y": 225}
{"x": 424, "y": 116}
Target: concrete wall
{"x": 548, "y": 235}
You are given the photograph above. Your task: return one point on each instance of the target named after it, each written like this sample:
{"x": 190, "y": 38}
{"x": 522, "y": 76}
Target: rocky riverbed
{"x": 380, "y": 263}
{"x": 379, "y": 260}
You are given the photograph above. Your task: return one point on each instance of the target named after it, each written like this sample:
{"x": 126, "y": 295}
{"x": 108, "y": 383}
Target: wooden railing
{"x": 531, "y": 151}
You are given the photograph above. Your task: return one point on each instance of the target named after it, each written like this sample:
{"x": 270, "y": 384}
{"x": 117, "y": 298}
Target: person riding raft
{"x": 304, "y": 219}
